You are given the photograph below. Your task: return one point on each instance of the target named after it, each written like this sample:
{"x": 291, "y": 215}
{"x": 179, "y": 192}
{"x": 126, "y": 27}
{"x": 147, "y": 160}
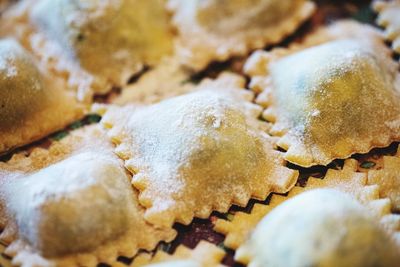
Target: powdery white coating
{"x": 187, "y": 132}
{"x": 110, "y": 39}
{"x": 321, "y": 227}
{"x": 53, "y": 207}
{"x": 21, "y": 85}
{"x": 198, "y": 152}
{"x": 4, "y": 218}
{"x": 219, "y": 29}
{"x": 341, "y": 71}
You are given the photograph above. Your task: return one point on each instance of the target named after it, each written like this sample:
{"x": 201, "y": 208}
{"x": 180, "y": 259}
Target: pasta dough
{"x": 321, "y": 227}
{"x": 198, "y": 152}
{"x": 217, "y": 30}
{"x": 204, "y": 254}
{"x": 73, "y": 205}
{"x": 166, "y": 80}
{"x": 28, "y": 98}
{"x": 309, "y": 94}
{"x": 388, "y": 18}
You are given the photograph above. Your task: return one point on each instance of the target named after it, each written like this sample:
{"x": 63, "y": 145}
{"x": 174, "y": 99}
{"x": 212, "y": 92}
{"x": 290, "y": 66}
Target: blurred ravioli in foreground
{"x": 33, "y": 103}
{"x": 334, "y": 95}
{"x": 198, "y": 152}
{"x": 72, "y": 205}
{"x": 216, "y": 30}
{"x": 321, "y": 227}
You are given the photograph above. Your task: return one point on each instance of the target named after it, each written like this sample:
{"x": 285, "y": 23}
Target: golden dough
{"x": 73, "y": 205}
{"x": 164, "y": 81}
{"x": 29, "y": 98}
{"x": 388, "y": 17}
{"x": 220, "y": 29}
{"x": 388, "y": 179}
{"x": 321, "y": 227}
{"x": 198, "y": 152}
{"x": 330, "y": 100}
{"x": 203, "y": 255}
{"x": 4, "y": 262}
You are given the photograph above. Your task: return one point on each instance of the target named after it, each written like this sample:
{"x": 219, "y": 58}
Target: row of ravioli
{"x": 333, "y": 95}
{"x": 82, "y": 48}
{"x": 71, "y": 50}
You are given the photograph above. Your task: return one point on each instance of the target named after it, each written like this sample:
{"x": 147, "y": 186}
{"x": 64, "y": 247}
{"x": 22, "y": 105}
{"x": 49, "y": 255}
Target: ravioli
{"x": 330, "y": 100}
{"x": 109, "y": 40}
{"x": 198, "y": 152}
{"x": 389, "y": 19}
{"x": 73, "y": 205}
{"x": 322, "y": 227}
{"x": 346, "y": 180}
{"x": 55, "y": 221}
{"x": 29, "y": 97}
{"x": 215, "y": 30}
